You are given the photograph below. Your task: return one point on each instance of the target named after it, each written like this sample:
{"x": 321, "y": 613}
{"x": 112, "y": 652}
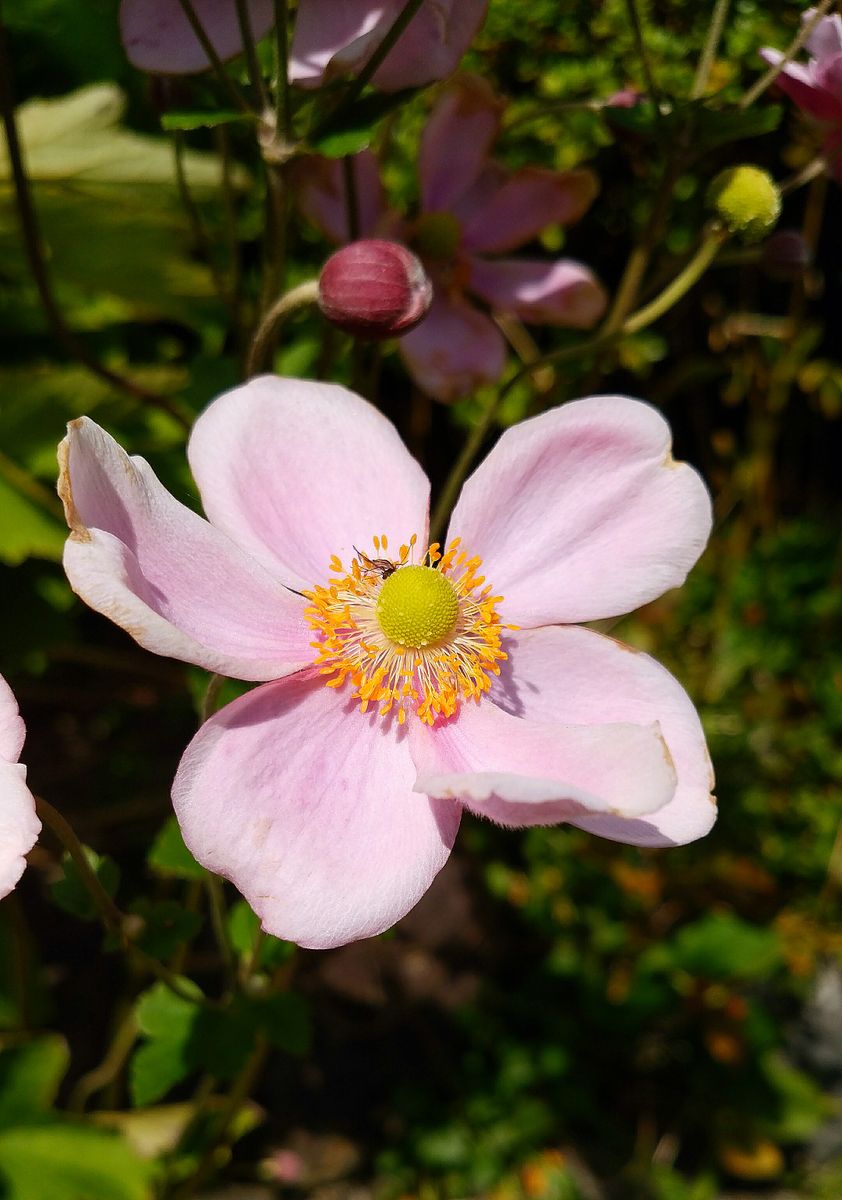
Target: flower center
{"x": 417, "y": 606}
{"x": 408, "y": 636}
{"x": 436, "y": 236}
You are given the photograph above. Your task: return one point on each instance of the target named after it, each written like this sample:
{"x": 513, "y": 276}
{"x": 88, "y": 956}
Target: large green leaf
{"x": 30, "y": 1075}
{"x": 68, "y": 1161}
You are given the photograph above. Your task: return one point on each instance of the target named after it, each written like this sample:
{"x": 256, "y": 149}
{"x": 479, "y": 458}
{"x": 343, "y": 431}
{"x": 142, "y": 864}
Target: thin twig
{"x": 717, "y": 24}
{"x": 32, "y": 242}
{"x": 201, "y": 237}
{"x": 283, "y": 105}
{"x": 768, "y": 78}
{"x": 648, "y": 74}
{"x": 213, "y": 58}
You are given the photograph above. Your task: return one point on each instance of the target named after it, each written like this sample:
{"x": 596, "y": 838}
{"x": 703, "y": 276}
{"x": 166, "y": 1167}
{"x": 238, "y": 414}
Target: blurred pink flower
{"x": 19, "y": 826}
{"x": 816, "y": 87}
{"x": 331, "y": 37}
{"x": 333, "y": 807}
{"x": 472, "y": 211}
{"x": 338, "y": 37}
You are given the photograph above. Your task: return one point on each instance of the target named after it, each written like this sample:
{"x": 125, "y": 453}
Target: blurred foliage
{"x": 576, "y": 1020}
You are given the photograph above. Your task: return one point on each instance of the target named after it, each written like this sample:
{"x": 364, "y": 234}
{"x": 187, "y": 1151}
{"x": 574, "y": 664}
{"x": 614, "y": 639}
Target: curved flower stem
{"x": 234, "y": 93}
{"x": 717, "y": 23}
{"x": 768, "y": 78}
{"x": 354, "y": 91}
{"x": 296, "y": 298}
{"x": 117, "y": 923}
{"x": 714, "y": 238}
{"x": 32, "y": 244}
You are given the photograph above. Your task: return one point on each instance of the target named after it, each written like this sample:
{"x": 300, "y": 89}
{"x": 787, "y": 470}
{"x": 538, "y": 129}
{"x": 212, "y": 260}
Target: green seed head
{"x": 747, "y": 201}
{"x": 417, "y": 606}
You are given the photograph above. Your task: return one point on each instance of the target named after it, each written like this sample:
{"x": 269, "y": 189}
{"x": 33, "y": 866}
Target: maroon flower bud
{"x": 374, "y": 289}
{"x": 786, "y": 255}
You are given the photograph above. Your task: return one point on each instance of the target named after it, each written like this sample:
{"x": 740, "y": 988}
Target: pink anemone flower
{"x": 19, "y": 826}
{"x": 816, "y": 87}
{"x": 338, "y": 37}
{"x": 405, "y": 683}
{"x": 331, "y": 37}
{"x": 473, "y": 213}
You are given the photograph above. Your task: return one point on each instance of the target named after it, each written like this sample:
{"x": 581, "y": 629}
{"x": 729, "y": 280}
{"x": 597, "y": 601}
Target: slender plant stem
{"x": 768, "y": 78}
{"x": 122, "y": 1041}
{"x": 283, "y": 99}
{"x": 275, "y": 234}
{"x": 194, "y": 218}
{"x": 296, "y": 298}
{"x": 219, "y": 924}
{"x": 356, "y": 88}
{"x": 252, "y": 63}
{"x": 713, "y": 239}
{"x": 352, "y": 200}
{"x": 643, "y": 53}
{"x": 33, "y": 247}
{"x": 717, "y": 24}
{"x": 234, "y": 93}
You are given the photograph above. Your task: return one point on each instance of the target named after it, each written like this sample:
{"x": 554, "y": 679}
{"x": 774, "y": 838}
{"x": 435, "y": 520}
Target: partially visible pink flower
{"x": 19, "y": 826}
{"x": 627, "y": 97}
{"x": 816, "y": 86}
{"x": 338, "y": 37}
{"x": 473, "y": 212}
{"x": 406, "y": 684}
{"x": 158, "y": 36}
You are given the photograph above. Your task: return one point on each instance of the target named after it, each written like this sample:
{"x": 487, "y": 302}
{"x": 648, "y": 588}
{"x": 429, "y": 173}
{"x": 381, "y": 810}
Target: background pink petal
{"x": 338, "y": 37}
{"x": 454, "y": 350}
{"x": 575, "y": 676}
{"x": 12, "y": 729}
{"x": 307, "y": 806}
{"x": 564, "y": 292}
{"x": 518, "y": 771}
{"x": 457, "y": 138}
{"x": 800, "y": 85}
{"x": 319, "y": 186}
{"x": 826, "y": 37}
{"x": 582, "y": 513}
{"x": 527, "y": 202}
{"x": 297, "y": 472}
{"x": 180, "y": 587}
{"x": 158, "y": 37}
{"x": 19, "y": 826}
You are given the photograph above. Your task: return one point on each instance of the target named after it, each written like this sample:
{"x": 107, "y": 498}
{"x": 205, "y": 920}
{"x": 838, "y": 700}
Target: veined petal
{"x": 180, "y": 587}
{"x": 582, "y": 513}
{"x": 307, "y": 806}
{"x": 455, "y": 349}
{"x": 12, "y": 730}
{"x": 158, "y": 36}
{"x": 457, "y": 138}
{"x": 297, "y": 472}
{"x": 574, "y": 676}
{"x": 517, "y": 771}
{"x": 525, "y": 203}
{"x": 320, "y": 189}
{"x": 563, "y": 293}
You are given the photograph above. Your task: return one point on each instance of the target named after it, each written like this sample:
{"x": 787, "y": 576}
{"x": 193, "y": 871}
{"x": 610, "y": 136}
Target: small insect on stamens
{"x": 384, "y": 567}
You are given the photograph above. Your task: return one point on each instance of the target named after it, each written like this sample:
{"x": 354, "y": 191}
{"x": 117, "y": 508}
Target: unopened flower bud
{"x": 374, "y": 289}
{"x": 787, "y": 255}
{"x": 747, "y": 201}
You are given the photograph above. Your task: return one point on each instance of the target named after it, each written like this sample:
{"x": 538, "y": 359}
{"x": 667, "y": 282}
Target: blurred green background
{"x": 561, "y": 1018}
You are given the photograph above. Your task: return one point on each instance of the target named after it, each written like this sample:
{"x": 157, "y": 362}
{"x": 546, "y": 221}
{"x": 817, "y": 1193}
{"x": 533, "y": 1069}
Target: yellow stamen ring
{"x": 406, "y": 635}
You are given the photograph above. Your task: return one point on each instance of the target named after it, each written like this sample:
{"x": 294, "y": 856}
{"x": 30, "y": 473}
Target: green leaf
{"x": 156, "y": 1067}
{"x": 722, "y": 946}
{"x": 163, "y": 1014}
{"x": 186, "y": 119}
{"x": 170, "y": 1023}
{"x": 353, "y": 129}
{"x": 70, "y": 892}
{"x": 167, "y": 925}
{"x": 30, "y": 1076}
{"x": 68, "y": 1161}
{"x": 243, "y": 928}
{"x": 26, "y": 529}
{"x": 286, "y": 1021}
{"x": 170, "y": 856}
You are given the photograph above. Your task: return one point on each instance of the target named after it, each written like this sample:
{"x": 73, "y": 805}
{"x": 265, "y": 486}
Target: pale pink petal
{"x": 338, "y": 37}
{"x": 456, "y": 140}
{"x": 583, "y": 513}
{"x": 826, "y": 37}
{"x": 518, "y": 771}
{"x": 320, "y": 189}
{"x": 307, "y": 806}
{"x": 563, "y": 293}
{"x": 12, "y": 730}
{"x": 799, "y": 84}
{"x": 158, "y": 37}
{"x": 297, "y": 472}
{"x": 574, "y": 676}
{"x": 828, "y": 75}
{"x": 19, "y": 826}
{"x": 180, "y": 587}
{"x": 454, "y": 350}
{"x": 527, "y": 202}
